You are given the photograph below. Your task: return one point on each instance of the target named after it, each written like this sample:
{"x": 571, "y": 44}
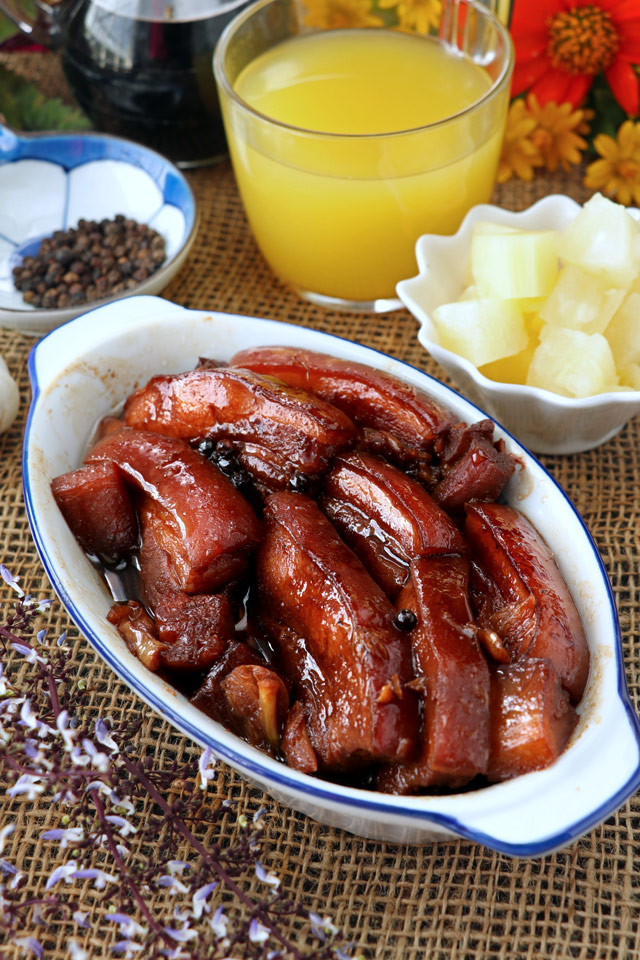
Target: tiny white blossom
{"x": 41, "y": 606}
{"x": 100, "y": 877}
{"x": 44, "y": 730}
{"x": 76, "y": 952}
{"x": 5, "y": 832}
{"x": 37, "y": 915}
{"x": 70, "y": 835}
{"x": 29, "y": 945}
{"x": 5, "y": 686}
{"x": 65, "y": 872}
{"x": 177, "y": 866}
{"x": 78, "y": 758}
{"x": 181, "y": 935}
{"x": 200, "y": 904}
{"x": 62, "y": 723}
{"x": 27, "y": 783}
{"x": 218, "y": 923}
{"x": 127, "y": 947}
{"x": 104, "y": 737}
{"x": 123, "y": 826}
{"x": 99, "y": 760}
{"x": 28, "y": 717}
{"x": 257, "y": 932}
{"x": 81, "y": 918}
{"x": 9, "y": 579}
{"x": 206, "y": 767}
{"x": 98, "y": 785}
{"x": 322, "y": 927}
{"x": 29, "y": 653}
{"x": 265, "y": 877}
{"x": 10, "y": 706}
{"x": 127, "y": 925}
{"x": 124, "y": 804}
{"x": 172, "y": 884}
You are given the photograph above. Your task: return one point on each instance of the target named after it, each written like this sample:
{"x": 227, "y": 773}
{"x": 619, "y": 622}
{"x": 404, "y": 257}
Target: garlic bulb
{"x": 9, "y": 397}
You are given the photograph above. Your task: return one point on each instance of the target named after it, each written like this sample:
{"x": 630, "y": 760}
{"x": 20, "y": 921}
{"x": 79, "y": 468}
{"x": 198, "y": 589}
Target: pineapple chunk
{"x": 572, "y": 363}
{"x": 534, "y": 324}
{"x": 630, "y": 376}
{"x": 511, "y": 369}
{"x": 530, "y": 304}
{"x": 581, "y": 301}
{"x": 514, "y": 265}
{"x": 469, "y": 293}
{"x": 623, "y": 333}
{"x": 602, "y": 240}
{"x": 481, "y": 330}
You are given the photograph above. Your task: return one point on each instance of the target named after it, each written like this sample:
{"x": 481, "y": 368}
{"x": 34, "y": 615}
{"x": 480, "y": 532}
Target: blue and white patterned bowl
{"x": 121, "y": 346}
{"x": 50, "y": 181}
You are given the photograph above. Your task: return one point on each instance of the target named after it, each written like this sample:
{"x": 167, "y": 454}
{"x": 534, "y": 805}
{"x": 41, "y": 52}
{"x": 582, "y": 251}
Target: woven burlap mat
{"x": 445, "y": 901}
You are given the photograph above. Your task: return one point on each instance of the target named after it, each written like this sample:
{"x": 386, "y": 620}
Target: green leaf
{"x": 24, "y": 107}
{"x": 609, "y": 115}
{"x": 7, "y": 28}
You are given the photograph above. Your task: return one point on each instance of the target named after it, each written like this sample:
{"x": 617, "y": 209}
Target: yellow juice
{"x": 339, "y": 190}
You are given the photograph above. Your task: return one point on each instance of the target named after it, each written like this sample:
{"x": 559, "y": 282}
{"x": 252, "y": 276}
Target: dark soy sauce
{"x": 143, "y": 69}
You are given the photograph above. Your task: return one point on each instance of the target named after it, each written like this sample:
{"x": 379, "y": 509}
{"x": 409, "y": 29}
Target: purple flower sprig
{"x": 139, "y": 842}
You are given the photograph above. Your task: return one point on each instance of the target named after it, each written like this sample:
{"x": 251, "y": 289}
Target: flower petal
{"x": 621, "y": 11}
{"x": 624, "y": 85}
{"x": 528, "y": 16}
{"x": 578, "y": 89}
{"x": 526, "y": 74}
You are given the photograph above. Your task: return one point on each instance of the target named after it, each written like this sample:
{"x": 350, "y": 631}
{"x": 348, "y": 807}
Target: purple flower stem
{"x": 53, "y": 694}
{"x": 12, "y": 637}
{"x": 124, "y": 873}
{"x": 181, "y": 827}
{"x": 52, "y": 776}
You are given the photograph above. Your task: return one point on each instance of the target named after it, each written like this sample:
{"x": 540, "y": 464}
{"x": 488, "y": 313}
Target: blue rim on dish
{"x": 71, "y": 150}
{"x": 316, "y": 789}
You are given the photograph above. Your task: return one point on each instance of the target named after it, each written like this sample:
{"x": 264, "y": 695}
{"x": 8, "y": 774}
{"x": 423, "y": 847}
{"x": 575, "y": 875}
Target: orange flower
{"x": 415, "y": 14}
{"x": 557, "y": 132}
{"x": 561, "y": 45}
{"x": 336, "y": 14}
{"x": 617, "y": 173}
{"x": 519, "y": 153}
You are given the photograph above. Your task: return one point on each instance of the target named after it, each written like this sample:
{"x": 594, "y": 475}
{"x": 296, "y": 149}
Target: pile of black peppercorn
{"x": 89, "y": 262}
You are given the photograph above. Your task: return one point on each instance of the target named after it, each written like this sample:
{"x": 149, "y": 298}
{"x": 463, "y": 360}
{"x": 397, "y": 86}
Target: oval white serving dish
{"x": 85, "y": 368}
{"x": 543, "y": 421}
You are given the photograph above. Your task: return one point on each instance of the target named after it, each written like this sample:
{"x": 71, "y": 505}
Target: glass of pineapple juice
{"x": 350, "y": 142}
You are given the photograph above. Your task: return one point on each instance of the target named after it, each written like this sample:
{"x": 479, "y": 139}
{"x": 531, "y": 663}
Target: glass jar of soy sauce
{"x": 142, "y": 69}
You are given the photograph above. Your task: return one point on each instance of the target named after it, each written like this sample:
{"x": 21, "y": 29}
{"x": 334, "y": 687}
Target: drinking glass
{"x": 337, "y": 215}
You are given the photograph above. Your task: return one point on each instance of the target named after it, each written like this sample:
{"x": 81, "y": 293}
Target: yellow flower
{"x": 416, "y": 15}
{"x": 617, "y": 174}
{"x": 557, "y": 133}
{"x": 519, "y": 153}
{"x": 335, "y": 14}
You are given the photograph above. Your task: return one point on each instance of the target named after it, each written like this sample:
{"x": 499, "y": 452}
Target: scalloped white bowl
{"x": 50, "y": 181}
{"x": 87, "y": 367}
{"x": 543, "y": 421}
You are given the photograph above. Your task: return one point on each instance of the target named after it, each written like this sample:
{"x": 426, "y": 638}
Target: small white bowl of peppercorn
{"x": 84, "y": 219}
